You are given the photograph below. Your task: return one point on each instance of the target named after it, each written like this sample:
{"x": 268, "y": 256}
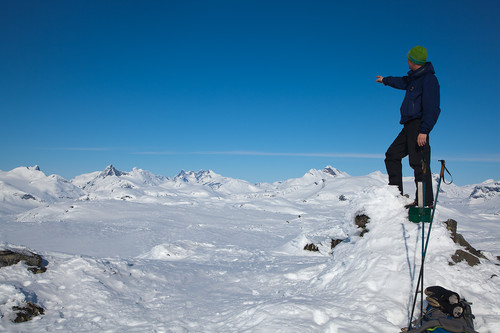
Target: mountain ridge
{"x": 29, "y": 187}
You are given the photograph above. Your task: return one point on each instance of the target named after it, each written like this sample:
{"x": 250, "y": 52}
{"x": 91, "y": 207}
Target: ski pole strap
{"x": 443, "y": 169}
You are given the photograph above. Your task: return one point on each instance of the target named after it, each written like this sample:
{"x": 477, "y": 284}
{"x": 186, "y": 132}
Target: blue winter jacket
{"x": 422, "y": 96}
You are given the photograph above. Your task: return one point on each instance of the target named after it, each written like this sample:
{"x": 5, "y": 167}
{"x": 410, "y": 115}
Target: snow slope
{"x": 27, "y": 187}
{"x": 136, "y": 252}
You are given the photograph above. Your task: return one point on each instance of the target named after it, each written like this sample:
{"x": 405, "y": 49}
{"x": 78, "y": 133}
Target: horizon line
{"x": 490, "y": 158}
{"x": 261, "y": 153}
{"x": 493, "y": 158}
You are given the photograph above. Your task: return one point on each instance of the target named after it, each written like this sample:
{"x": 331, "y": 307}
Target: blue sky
{"x": 257, "y": 90}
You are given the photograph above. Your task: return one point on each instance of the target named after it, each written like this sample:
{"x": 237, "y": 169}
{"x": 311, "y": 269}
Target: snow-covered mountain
{"x": 314, "y": 176}
{"x": 112, "y": 183}
{"x": 215, "y": 181}
{"x": 29, "y": 187}
{"x": 486, "y": 190}
{"x": 200, "y": 252}
{"x": 32, "y": 181}
{"x": 26, "y": 187}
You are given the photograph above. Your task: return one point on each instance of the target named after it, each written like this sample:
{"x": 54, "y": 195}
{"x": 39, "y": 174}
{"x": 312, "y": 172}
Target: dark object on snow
{"x": 361, "y": 221}
{"x": 470, "y": 255}
{"x": 314, "y": 248}
{"x": 28, "y": 197}
{"x": 35, "y": 261}
{"x": 311, "y": 247}
{"x": 461, "y": 255}
{"x": 27, "y": 312}
{"x": 445, "y": 300}
{"x": 335, "y": 242}
{"x": 417, "y": 214}
{"x": 446, "y": 312}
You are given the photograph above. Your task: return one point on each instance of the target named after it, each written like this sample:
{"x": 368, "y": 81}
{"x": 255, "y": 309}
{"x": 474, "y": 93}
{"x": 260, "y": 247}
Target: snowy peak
{"x": 112, "y": 183}
{"x": 200, "y": 177}
{"x": 329, "y": 170}
{"x": 111, "y": 171}
{"x": 216, "y": 182}
{"x": 31, "y": 173}
{"x": 28, "y": 186}
{"x": 486, "y": 190}
{"x": 145, "y": 177}
{"x": 315, "y": 176}
{"x": 313, "y": 182}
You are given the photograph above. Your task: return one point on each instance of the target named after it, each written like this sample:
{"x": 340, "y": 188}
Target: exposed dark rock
{"x": 127, "y": 185}
{"x": 331, "y": 171}
{"x": 342, "y": 197}
{"x": 36, "y": 265}
{"x": 27, "y": 312}
{"x": 471, "y": 255}
{"x": 28, "y": 197}
{"x": 314, "y": 248}
{"x": 461, "y": 241}
{"x": 33, "y": 260}
{"x": 451, "y": 225}
{"x": 111, "y": 171}
{"x": 461, "y": 255}
{"x": 335, "y": 242}
{"x": 311, "y": 247}
{"x": 361, "y": 221}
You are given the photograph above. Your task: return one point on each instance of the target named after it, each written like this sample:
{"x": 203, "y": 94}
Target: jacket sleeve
{"x": 430, "y": 104}
{"x": 398, "y": 82}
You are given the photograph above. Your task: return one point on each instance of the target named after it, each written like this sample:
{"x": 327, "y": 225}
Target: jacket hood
{"x": 426, "y": 69}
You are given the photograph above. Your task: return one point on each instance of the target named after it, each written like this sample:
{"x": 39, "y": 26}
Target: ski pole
{"x": 421, "y": 273}
{"x": 441, "y": 176}
{"x": 420, "y": 285}
{"x": 424, "y": 168}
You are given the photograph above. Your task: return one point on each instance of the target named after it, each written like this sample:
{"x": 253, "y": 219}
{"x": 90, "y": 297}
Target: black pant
{"x": 406, "y": 145}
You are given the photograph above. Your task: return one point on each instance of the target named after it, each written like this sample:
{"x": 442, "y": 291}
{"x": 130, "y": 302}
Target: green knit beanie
{"x": 418, "y": 55}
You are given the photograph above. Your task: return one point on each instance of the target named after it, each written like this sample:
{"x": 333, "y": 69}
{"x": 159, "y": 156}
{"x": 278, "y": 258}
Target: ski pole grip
{"x": 441, "y": 174}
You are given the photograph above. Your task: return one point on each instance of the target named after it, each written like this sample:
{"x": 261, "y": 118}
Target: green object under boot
{"x": 415, "y": 214}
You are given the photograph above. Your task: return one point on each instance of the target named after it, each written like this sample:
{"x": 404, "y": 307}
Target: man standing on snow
{"x": 419, "y": 113}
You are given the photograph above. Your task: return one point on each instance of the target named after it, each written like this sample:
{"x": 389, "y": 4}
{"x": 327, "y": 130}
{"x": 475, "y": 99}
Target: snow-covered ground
{"x": 137, "y": 252}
